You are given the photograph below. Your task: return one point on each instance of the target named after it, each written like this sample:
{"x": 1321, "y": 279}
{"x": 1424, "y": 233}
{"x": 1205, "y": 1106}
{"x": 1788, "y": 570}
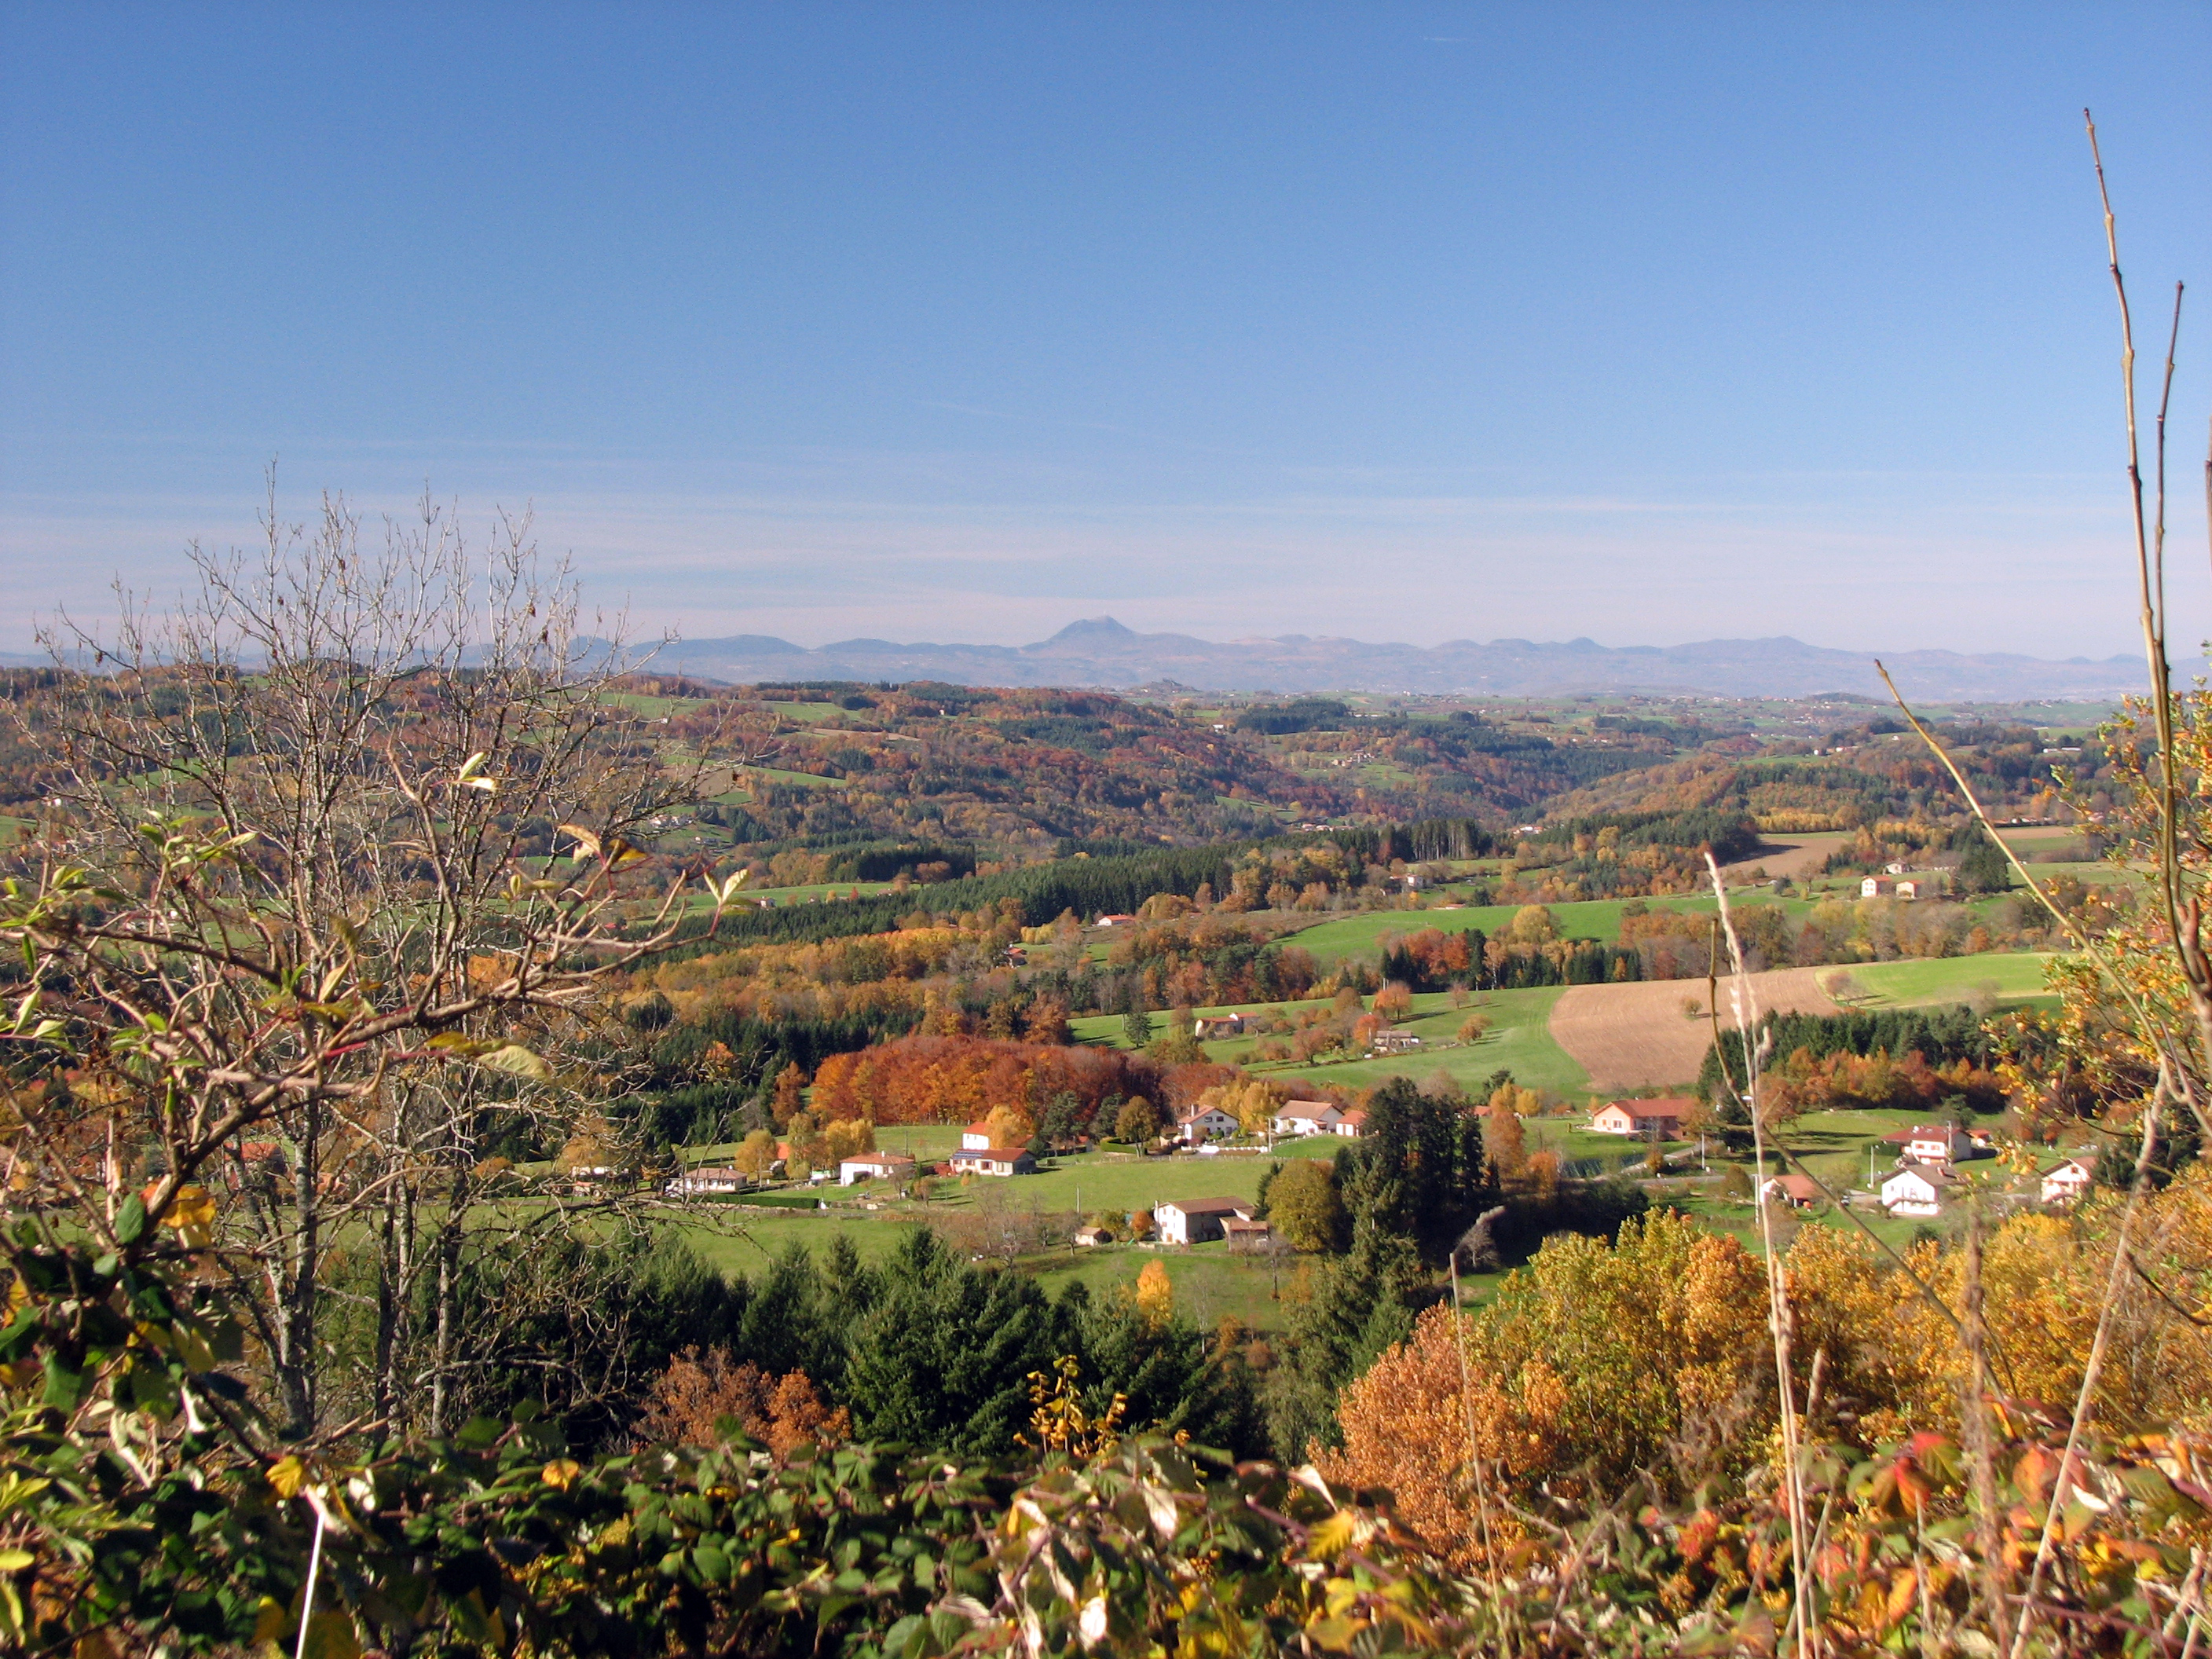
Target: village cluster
{"x": 1924, "y": 1178}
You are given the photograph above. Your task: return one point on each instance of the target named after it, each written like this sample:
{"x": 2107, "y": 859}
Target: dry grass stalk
{"x": 1744, "y": 1001}
{"x": 2182, "y": 908}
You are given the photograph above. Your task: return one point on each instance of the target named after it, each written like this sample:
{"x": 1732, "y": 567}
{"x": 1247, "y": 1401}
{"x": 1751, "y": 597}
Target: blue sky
{"x": 1404, "y": 322}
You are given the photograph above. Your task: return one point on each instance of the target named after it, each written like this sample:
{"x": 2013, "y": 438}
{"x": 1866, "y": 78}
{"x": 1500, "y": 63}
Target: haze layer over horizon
{"x": 1405, "y": 322}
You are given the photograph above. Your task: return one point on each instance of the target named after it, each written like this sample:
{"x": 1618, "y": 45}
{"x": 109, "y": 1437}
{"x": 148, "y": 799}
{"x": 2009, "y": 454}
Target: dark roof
{"x": 1208, "y": 1205}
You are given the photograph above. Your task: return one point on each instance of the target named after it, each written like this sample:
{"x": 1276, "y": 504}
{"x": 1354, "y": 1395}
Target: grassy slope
{"x": 1209, "y": 1281}
{"x": 2016, "y": 977}
{"x": 1519, "y": 1041}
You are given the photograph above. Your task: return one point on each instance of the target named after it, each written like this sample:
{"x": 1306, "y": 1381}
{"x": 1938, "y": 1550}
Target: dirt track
{"x": 1789, "y": 855}
{"x": 1636, "y": 1035}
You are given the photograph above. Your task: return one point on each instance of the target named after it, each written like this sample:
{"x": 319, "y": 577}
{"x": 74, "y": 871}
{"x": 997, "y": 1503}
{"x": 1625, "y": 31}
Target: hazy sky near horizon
{"x": 1410, "y": 322}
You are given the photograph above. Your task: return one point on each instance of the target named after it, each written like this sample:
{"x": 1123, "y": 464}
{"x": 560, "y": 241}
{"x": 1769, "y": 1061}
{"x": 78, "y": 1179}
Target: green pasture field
{"x": 734, "y": 1239}
{"x": 1105, "y": 1031}
{"x": 805, "y": 713}
{"x": 1333, "y": 940}
{"x": 802, "y": 779}
{"x": 1210, "y": 1284}
{"x": 820, "y": 890}
{"x": 2018, "y": 976}
{"x": 1518, "y": 1041}
{"x": 654, "y": 708}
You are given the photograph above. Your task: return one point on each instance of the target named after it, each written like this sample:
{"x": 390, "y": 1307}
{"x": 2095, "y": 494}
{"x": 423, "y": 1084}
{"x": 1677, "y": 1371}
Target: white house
{"x": 2067, "y": 1180}
{"x": 994, "y": 1161}
{"x": 1307, "y": 1117}
{"x": 1212, "y": 1028}
{"x": 1661, "y": 1117}
{"x": 1393, "y": 1039}
{"x": 1117, "y": 922}
{"x": 704, "y": 1181}
{"x": 1350, "y": 1125}
{"x": 874, "y": 1166}
{"x": 1195, "y": 1220}
{"x": 975, "y": 1138}
{"x": 1202, "y": 1123}
{"x": 1918, "y": 1189}
{"x": 1900, "y": 886}
{"x": 1933, "y": 1143}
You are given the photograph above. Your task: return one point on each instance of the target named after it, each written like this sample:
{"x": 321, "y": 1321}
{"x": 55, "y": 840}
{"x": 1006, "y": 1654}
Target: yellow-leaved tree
{"x": 1155, "y": 1293}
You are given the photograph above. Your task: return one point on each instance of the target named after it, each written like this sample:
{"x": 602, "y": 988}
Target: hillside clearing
{"x": 1638, "y": 1035}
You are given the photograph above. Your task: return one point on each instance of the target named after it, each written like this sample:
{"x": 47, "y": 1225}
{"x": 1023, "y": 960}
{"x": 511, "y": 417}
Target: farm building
{"x": 1195, "y": 1220}
{"x": 1661, "y": 1117}
{"x": 2068, "y": 1179}
{"x": 1907, "y": 888}
{"x": 1918, "y": 1189}
{"x": 1092, "y": 1238}
{"x": 1352, "y": 1125}
{"x": 704, "y": 1183}
{"x": 1799, "y": 1192}
{"x": 875, "y": 1166}
{"x": 1214, "y": 1028}
{"x": 1247, "y": 1237}
{"x": 1393, "y": 1040}
{"x": 994, "y": 1161}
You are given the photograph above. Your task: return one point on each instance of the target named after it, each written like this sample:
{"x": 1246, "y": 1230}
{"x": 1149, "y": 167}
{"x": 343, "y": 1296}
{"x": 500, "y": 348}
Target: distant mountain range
{"x": 1101, "y": 652}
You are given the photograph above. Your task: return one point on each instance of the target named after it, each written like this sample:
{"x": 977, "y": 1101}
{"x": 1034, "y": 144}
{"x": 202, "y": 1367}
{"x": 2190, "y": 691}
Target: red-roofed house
{"x": 1661, "y": 1117}
{"x": 1799, "y": 1192}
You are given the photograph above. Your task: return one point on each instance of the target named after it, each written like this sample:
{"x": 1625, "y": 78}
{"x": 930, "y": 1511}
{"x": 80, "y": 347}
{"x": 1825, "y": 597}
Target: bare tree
{"x": 336, "y": 865}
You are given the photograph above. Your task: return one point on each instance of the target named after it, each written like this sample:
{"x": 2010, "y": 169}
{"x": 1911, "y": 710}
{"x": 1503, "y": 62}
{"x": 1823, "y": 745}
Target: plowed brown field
{"x": 1636, "y": 1036}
